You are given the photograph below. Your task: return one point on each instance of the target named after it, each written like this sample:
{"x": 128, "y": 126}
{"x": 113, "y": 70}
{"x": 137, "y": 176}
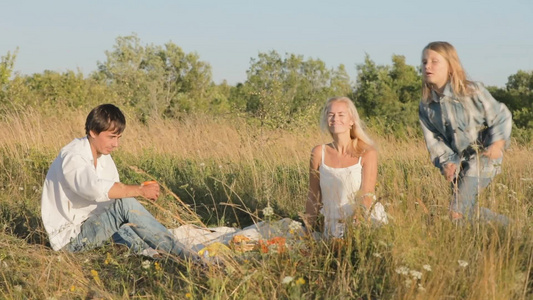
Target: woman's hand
{"x": 495, "y": 150}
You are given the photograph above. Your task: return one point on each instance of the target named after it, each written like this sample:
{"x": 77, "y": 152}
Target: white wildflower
{"x": 202, "y": 165}
{"x": 376, "y": 254}
{"x": 416, "y": 274}
{"x": 21, "y": 188}
{"x": 294, "y": 225}
{"x": 268, "y": 211}
{"x": 408, "y": 282}
{"x": 462, "y": 263}
{"x": 402, "y": 270}
{"x": 287, "y": 279}
{"x": 501, "y": 186}
{"x": 146, "y": 264}
{"x": 427, "y": 268}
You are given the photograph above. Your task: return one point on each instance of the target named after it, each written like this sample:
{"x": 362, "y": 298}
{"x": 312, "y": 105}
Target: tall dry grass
{"x": 228, "y": 170}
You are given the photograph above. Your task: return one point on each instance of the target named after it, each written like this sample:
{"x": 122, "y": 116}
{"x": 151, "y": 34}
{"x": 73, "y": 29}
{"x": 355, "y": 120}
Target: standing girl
{"x": 342, "y": 173}
{"x": 465, "y": 129}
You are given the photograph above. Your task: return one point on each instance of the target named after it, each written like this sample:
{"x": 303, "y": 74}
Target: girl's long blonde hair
{"x": 357, "y": 132}
{"x": 457, "y": 77}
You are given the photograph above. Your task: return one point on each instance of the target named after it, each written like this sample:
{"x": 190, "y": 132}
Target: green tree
{"x": 521, "y": 82}
{"x": 280, "y": 91}
{"x": 68, "y": 89}
{"x": 7, "y": 63}
{"x": 368, "y": 87}
{"x": 53, "y": 91}
{"x": 156, "y": 80}
{"x": 388, "y": 96}
{"x": 518, "y": 96}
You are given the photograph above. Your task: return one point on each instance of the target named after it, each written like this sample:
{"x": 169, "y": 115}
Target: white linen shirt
{"x": 74, "y": 190}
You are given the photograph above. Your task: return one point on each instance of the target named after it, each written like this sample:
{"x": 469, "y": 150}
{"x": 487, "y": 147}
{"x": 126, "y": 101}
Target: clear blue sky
{"x": 494, "y": 38}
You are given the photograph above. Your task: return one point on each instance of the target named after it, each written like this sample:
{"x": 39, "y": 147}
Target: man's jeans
{"x": 129, "y": 223}
{"x": 465, "y": 199}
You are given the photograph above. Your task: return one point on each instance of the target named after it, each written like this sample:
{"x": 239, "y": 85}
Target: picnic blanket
{"x": 214, "y": 240}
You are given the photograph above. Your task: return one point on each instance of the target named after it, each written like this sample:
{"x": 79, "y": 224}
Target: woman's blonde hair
{"x": 460, "y": 84}
{"x": 357, "y": 132}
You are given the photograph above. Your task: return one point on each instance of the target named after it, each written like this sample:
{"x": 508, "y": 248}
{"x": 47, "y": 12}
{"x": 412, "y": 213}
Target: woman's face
{"x": 339, "y": 118}
{"x": 435, "y": 69}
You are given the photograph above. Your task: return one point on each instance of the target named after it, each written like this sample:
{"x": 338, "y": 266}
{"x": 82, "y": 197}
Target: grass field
{"x": 227, "y": 171}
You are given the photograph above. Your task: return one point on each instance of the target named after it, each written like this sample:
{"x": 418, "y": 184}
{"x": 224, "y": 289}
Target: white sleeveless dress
{"x": 338, "y": 188}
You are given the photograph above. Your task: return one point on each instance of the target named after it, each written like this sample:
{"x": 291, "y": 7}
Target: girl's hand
{"x": 495, "y": 150}
{"x": 449, "y": 171}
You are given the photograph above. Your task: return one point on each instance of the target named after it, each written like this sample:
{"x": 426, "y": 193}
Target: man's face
{"x": 104, "y": 142}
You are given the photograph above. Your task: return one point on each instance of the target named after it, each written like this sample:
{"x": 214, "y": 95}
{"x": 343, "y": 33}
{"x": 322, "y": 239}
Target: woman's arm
{"x": 369, "y": 163}
{"x": 312, "y": 205}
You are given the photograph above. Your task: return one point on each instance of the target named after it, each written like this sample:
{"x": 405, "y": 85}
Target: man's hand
{"x": 150, "y": 190}
{"x": 495, "y": 150}
{"x": 449, "y": 171}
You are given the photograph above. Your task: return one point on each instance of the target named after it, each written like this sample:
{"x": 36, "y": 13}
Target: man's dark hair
{"x": 105, "y": 117}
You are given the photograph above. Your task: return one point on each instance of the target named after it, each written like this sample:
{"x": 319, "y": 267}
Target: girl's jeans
{"x": 129, "y": 223}
{"x": 465, "y": 199}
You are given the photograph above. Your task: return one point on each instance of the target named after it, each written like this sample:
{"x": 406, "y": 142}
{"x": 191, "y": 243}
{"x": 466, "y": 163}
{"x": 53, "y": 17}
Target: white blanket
{"x": 197, "y": 238}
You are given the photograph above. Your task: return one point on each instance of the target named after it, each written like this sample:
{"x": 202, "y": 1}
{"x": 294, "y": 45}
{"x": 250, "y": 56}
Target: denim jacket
{"x": 456, "y": 128}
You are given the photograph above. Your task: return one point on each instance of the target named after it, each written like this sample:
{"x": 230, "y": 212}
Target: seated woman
{"x": 343, "y": 173}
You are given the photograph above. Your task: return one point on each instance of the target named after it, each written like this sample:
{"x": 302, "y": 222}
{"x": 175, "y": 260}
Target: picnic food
{"x": 149, "y": 182}
{"x": 242, "y": 243}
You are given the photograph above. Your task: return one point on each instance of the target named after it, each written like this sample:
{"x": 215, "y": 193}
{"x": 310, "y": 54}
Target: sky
{"x": 494, "y": 38}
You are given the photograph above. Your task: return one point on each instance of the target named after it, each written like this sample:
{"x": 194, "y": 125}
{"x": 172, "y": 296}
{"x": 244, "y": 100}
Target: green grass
{"x": 227, "y": 178}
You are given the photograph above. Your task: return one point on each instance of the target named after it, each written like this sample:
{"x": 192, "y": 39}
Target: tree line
{"x": 282, "y": 91}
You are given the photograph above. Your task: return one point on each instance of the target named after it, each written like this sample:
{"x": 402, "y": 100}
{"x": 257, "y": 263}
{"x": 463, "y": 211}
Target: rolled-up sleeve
{"x": 82, "y": 180}
{"x": 498, "y": 117}
{"x": 439, "y": 151}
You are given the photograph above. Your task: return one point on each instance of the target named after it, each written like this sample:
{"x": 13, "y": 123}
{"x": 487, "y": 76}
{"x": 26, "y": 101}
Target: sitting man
{"x": 84, "y": 203}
